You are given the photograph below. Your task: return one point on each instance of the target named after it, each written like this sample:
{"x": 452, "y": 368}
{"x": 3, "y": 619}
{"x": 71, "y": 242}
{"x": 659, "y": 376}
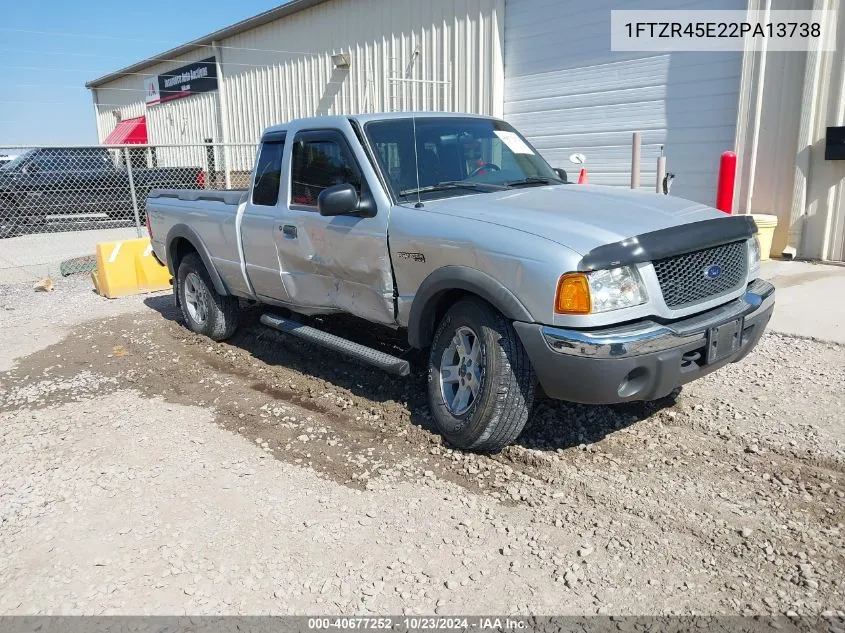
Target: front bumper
{"x": 645, "y": 360}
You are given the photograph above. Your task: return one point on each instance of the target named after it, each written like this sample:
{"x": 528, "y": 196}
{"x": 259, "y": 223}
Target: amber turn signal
{"x": 573, "y": 294}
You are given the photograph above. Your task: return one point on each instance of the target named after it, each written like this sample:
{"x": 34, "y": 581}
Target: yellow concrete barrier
{"x": 128, "y": 267}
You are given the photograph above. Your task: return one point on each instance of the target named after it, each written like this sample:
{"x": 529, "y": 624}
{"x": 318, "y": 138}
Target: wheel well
{"x": 440, "y": 304}
{"x": 182, "y": 240}
{"x": 181, "y": 248}
{"x": 446, "y": 285}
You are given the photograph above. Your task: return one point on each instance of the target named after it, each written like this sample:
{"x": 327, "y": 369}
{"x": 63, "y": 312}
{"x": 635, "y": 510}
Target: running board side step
{"x": 383, "y": 361}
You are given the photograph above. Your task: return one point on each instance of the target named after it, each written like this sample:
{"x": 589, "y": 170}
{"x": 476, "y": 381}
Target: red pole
{"x": 727, "y": 180}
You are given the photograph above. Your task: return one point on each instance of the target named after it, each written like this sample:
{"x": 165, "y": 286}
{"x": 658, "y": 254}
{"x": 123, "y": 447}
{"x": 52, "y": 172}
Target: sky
{"x": 50, "y": 48}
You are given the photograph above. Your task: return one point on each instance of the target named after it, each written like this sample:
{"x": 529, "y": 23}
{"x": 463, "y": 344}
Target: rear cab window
{"x": 268, "y": 174}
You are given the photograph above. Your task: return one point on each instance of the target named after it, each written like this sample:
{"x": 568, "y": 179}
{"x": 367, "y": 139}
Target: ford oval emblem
{"x": 713, "y": 271}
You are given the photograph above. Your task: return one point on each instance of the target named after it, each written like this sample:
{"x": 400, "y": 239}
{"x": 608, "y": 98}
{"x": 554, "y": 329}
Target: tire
{"x": 204, "y": 310}
{"x": 494, "y": 415}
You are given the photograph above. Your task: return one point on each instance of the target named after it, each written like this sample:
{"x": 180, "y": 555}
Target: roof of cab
{"x": 329, "y": 121}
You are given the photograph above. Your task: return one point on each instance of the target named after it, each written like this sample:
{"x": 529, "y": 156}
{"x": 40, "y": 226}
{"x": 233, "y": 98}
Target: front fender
{"x": 423, "y": 309}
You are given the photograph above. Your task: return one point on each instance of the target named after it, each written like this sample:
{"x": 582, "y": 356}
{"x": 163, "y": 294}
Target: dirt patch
{"x": 736, "y": 487}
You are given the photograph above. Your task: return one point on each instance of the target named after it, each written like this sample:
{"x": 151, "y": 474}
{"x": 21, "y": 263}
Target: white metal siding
{"x": 283, "y": 70}
{"x": 568, "y": 92}
{"x": 455, "y": 41}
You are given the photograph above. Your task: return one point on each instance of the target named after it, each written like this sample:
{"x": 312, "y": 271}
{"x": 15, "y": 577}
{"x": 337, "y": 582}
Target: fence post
{"x": 636, "y": 143}
{"x": 227, "y": 166}
{"x": 210, "y": 166}
{"x": 661, "y": 174}
{"x": 132, "y": 190}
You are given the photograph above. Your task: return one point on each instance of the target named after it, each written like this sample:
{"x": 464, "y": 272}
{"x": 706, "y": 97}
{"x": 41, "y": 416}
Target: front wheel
{"x": 205, "y": 311}
{"x": 480, "y": 380}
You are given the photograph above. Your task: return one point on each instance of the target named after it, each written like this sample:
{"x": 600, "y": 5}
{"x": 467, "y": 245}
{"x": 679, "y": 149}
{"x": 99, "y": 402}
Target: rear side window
{"x": 92, "y": 159}
{"x": 75, "y": 160}
{"x": 268, "y": 174}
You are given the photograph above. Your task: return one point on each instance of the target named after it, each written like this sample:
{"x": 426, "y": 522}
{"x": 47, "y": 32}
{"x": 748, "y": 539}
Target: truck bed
{"x": 226, "y": 196}
{"x": 212, "y": 216}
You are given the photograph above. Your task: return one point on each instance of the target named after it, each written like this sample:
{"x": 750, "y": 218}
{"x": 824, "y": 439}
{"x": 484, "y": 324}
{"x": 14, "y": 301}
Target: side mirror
{"x": 342, "y": 199}
{"x": 561, "y": 173}
{"x": 337, "y": 200}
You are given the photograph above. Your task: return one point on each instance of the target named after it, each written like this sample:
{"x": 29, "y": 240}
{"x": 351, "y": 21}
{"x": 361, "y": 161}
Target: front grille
{"x": 684, "y": 279}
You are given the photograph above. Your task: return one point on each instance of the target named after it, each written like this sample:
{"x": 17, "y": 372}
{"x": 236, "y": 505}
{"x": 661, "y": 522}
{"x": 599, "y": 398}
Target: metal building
{"x": 545, "y": 65}
{"x": 312, "y": 57}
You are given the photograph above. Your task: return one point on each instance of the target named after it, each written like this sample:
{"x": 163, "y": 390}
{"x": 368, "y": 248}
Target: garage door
{"x": 567, "y": 92}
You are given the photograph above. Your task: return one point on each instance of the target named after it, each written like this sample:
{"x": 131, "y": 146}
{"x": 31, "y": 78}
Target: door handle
{"x": 289, "y": 230}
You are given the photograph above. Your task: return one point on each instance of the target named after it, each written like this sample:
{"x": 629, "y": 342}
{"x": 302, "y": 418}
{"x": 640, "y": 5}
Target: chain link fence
{"x": 57, "y": 202}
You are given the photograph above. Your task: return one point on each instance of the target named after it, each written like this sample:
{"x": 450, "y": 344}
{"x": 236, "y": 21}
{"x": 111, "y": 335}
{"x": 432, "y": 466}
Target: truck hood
{"x": 580, "y": 217}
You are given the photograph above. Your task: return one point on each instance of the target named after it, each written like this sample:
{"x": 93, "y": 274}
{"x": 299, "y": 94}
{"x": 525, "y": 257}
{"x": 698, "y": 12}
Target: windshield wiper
{"x": 455, "y": 184}
{"x": 534, "y": 180}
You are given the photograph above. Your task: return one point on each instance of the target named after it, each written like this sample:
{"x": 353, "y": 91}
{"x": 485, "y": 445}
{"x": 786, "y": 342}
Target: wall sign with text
{"x": 181, "y": 82}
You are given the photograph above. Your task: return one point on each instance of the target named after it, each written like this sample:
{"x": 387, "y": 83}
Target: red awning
{"x": 130, "y": 131}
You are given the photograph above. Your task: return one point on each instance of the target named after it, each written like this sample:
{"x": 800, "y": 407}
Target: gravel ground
{"x": 148, "y": 470}
{"x": 31, "y": 321}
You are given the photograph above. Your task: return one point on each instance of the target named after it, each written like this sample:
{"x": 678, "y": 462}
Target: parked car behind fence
{"x": 57, "y": 189}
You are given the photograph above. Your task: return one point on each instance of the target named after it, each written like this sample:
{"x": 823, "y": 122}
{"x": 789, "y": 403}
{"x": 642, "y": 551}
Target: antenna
{"x": 419, "y": 203}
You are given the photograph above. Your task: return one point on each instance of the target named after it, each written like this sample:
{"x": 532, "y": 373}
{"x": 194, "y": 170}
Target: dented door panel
{"x": 340, "y": 263}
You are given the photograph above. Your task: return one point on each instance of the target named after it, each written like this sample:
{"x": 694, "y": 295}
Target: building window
{"x": 268, "y": 174}
{"x": 320, "y": 161}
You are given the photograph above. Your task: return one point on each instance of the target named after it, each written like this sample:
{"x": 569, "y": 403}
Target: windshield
{"x": 456, "y": 156}
{"x": 17, "y": 161}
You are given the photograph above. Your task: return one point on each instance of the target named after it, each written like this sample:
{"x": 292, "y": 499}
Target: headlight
{"x": 599, "y": 291}
{"x": 753, "y": 256}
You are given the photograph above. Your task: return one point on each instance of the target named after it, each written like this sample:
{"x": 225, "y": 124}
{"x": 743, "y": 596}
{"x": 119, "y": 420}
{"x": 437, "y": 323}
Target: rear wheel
{"x": 205, "y": 311}
{"x": 480, "y": 381}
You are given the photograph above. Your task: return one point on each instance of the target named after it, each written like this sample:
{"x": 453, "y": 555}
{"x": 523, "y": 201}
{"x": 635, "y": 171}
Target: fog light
{"x": 633, "y": 383}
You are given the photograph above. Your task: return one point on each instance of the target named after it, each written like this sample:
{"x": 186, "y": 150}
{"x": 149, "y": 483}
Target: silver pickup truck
{"x": 453, "y": 228}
